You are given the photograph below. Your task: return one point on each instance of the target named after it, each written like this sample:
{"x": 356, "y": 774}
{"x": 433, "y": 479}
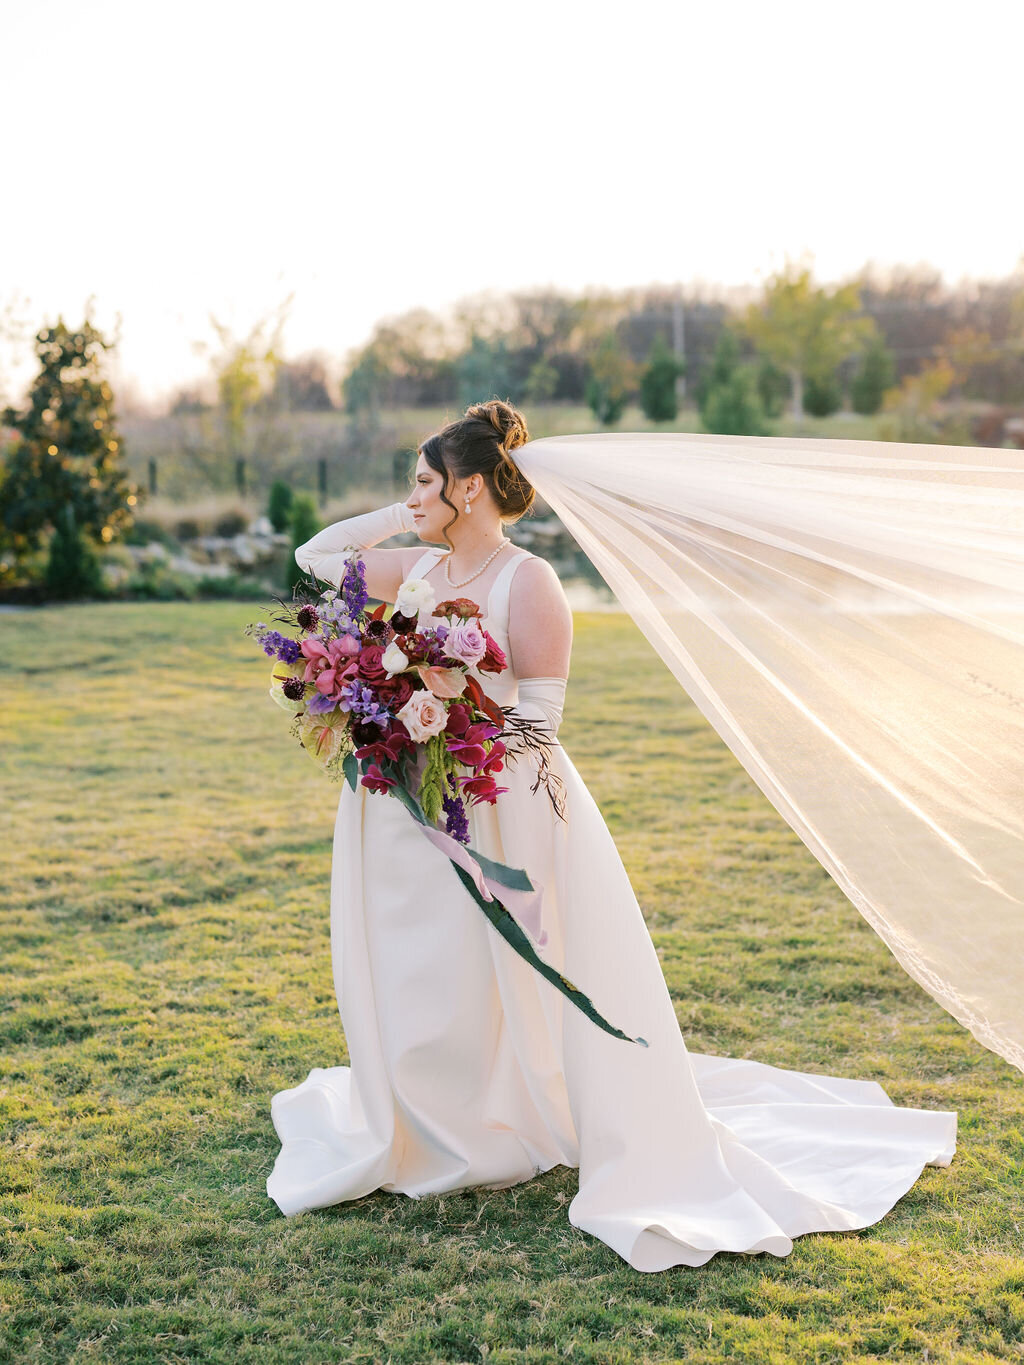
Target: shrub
{"x": 773, "y": 386}
{"x": 279, "y": 505}
{"x": 658, "y": 383}
{"x": 143, "y": 531}
{"x": 823, "y": 395}
{"x": 733, "y": 407}
{"x": 304, "y": 525}
{"x": 876, "y": 374}
{"x": 230, "y": 523}
{"x": 72, "y": 568}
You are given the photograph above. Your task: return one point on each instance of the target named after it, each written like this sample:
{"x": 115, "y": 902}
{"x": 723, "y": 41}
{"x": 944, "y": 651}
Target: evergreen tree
{"x": 734, "y": 408}
{"x": 72, "y": 568}
{"x": 67, "y": 455}
{"x": 728, "y": 397}
{"x": 875, "y": 375}
{"x": 304, "y": 525}
{"x": 279, "y": 505}
{"x": 823, "y": 394}
{"x": 773, "y": 386}
{"x": 658, "y": 383}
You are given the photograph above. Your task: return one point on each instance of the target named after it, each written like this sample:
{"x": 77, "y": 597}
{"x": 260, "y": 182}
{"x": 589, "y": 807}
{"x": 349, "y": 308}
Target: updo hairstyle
{"x": 479, "y": 443}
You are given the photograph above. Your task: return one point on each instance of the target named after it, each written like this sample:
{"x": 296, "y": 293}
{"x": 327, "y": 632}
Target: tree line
{"x": 895, "y": 346}
{"x": 795, "y": 347}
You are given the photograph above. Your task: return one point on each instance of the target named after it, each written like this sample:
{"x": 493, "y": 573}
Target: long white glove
{"x": 326, "y": 553}
{"x": 542, "y": 699}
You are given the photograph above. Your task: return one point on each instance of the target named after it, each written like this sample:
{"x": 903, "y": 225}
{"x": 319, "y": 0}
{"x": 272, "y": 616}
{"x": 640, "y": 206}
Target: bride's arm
{"x": 540, "y": 641}
{"x": 325, "y": 554}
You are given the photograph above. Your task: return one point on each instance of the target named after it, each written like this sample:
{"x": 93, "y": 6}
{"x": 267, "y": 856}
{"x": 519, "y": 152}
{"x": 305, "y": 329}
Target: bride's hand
{"x": 326, "y": 553}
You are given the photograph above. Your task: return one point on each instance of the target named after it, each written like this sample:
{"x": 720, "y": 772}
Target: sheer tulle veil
{"x": 849, "y": 617}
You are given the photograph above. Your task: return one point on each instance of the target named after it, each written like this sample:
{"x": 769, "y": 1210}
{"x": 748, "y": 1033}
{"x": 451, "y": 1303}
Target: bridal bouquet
{"x": 387, "y": 700}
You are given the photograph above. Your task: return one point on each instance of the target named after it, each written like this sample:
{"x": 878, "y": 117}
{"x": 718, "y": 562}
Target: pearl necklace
{"x": 462, "y": 584}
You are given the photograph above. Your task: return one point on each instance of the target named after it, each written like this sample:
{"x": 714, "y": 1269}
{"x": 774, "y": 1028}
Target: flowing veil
{"x": 849, "y": 617}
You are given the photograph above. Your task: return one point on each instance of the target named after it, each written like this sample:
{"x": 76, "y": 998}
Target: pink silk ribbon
{"x": 525, "y": 906}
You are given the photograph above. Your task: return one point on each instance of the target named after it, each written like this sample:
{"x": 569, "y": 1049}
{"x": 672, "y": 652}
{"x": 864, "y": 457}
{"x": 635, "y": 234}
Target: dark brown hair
{"x": 479, "y": 443}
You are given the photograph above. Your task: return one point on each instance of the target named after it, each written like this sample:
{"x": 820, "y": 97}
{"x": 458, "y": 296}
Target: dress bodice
{"x": 500, "y": 687}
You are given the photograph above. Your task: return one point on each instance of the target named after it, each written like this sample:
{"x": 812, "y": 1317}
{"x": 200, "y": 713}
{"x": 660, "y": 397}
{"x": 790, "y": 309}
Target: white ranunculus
{"x": 414, "y": 596}
{"x": 394, "y": 660}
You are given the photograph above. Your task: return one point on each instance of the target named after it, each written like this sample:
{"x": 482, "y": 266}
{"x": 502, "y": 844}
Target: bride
{"x": 466, "y": 1067}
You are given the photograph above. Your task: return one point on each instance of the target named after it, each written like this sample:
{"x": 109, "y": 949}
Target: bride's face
{"x": 425, "y": 500}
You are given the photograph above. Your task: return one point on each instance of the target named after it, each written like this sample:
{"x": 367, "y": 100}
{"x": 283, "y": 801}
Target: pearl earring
{"x": 468, "y": 508}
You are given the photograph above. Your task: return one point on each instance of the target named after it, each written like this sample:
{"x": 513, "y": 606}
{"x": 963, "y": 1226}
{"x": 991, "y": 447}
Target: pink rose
{"x": 466, "y": 641}
{"x": 423, "y": 715}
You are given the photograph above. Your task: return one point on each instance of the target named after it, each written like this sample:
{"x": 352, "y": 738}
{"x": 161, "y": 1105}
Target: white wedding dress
{"x": 469, "y": 1069}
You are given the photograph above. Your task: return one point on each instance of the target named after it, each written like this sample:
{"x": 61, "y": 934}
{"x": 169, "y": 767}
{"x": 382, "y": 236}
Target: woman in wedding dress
{"x": 467, "y": 1068}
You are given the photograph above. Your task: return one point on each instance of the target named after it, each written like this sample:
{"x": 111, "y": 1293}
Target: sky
{"x": 333, "y": 164}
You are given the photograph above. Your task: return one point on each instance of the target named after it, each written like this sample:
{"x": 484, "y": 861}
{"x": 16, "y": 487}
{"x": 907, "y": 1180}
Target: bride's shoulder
{"x": 536, "y": 585}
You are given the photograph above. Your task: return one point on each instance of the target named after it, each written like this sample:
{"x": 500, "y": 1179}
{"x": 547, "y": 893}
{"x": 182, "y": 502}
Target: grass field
{"x": 166, "y": 969}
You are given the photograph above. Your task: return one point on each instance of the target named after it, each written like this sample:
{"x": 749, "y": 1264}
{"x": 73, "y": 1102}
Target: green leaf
{"x": 515, "y": 877}
{"x": 350, "y": 767}
{"x": 407, "y": 799}
{"x": 513, "y": 933}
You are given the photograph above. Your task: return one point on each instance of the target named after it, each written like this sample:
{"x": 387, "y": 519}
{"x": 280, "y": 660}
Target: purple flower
{"x": 319, "y": 705}
{"x": 353, "y": 586}
{"x": 280, "y": 646}
{"x": 456, "y": 824}
{"x": 361, "y": 702}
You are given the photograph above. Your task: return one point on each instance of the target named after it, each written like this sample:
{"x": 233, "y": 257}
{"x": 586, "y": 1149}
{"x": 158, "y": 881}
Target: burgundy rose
{"x": 494, "y": 660}
{"x": 370, "y": 666}
{"x": 395, "y": 692}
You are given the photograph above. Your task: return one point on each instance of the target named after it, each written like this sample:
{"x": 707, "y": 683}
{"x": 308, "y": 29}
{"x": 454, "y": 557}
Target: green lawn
{"x": 166, "y": 969}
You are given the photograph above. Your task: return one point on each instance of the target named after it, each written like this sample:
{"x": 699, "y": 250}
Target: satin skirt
{"x": 469, "y": 1069}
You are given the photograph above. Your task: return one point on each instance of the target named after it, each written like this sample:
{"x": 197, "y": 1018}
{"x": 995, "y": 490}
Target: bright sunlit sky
{"x": 173, "y": 161}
